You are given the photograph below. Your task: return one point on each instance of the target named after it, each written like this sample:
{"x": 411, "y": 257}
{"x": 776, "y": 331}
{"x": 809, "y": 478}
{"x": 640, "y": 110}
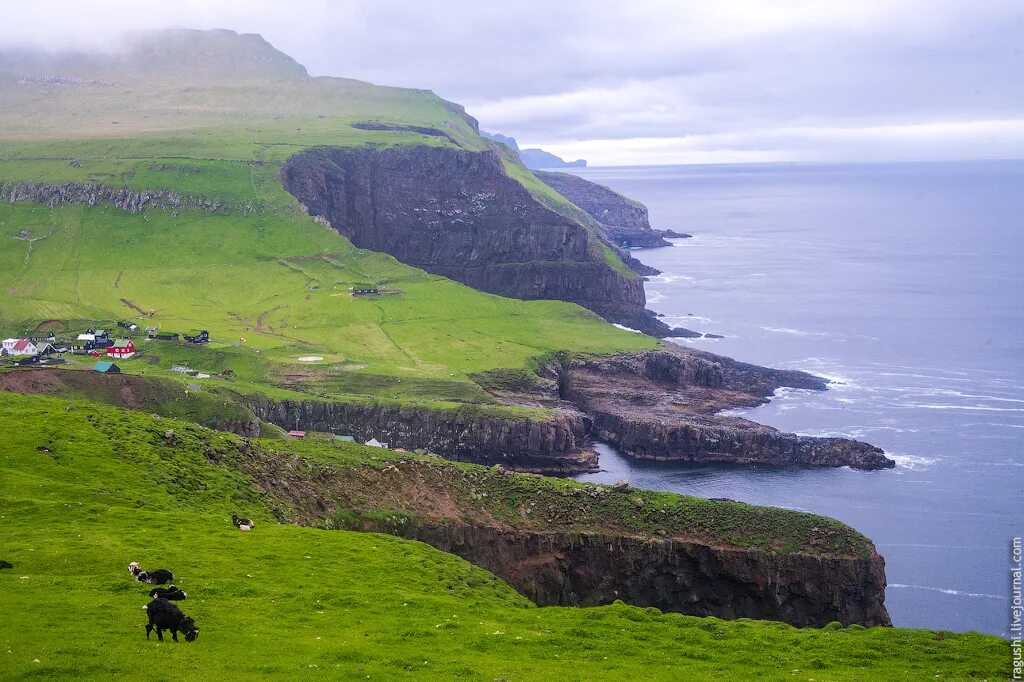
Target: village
{"x": 102, "y": 350}
{"x": 97, "y": 344}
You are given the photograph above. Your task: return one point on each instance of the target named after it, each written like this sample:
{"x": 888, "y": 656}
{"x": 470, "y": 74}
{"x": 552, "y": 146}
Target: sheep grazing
{"x": 160, "y": 576}
{"x": 163, "y": 615}
{"x": 172, "y": 593}
{"x": 242, "y": 524}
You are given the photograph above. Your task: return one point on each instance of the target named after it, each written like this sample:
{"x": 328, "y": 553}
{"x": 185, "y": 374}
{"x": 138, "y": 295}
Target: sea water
{"x": 904, "y": 284}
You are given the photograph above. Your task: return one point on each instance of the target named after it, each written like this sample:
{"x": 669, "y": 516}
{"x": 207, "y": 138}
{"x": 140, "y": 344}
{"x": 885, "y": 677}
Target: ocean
{"x": 904, "y": 284}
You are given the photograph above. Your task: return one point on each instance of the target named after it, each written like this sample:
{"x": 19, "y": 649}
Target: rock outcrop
{"x": 93, "y": 193}
{"x": 580, "y": 546}
{"x": 624, "y": 220}
{"x": 663, "y": 405}
{"x": 555, "y": 445}
{"x": 458, "y": 214}
{"x": 571, "y": 569}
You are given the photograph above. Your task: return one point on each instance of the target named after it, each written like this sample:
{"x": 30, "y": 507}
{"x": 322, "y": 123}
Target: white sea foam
{"x": 669, "y": 278}
{"x": 912, "y": 462}
{"x": 791, "y": 331}
{"x": 967, "y": 408}
{"x": 958, "y": 593}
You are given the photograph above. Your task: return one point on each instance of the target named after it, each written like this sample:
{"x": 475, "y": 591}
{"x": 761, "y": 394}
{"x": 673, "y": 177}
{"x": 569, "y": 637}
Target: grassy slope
{"x": 264, "y": 270}
{"x": 286, "y": 602}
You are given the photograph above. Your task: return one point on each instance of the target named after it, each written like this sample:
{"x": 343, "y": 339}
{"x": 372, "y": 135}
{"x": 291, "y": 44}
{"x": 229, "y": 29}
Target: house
{"x": 150, "y": 332}
{"x": 106, "y": 368}
{"x": 296, "y": 434}
{"x": 165, "y": 337}
{"x": 121, "y": 349}
{"x": 47, "y": 349}
{"x": 86, "y": 337}
{"x": 19, "y": 347}
{"x": 346, "y": 439}
{"x": 374, "y": 443}
{"x": 202, "y": 337}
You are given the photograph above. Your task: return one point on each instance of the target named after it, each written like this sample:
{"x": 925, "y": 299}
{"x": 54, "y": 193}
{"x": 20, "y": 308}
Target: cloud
{"x": 750, "y": 79}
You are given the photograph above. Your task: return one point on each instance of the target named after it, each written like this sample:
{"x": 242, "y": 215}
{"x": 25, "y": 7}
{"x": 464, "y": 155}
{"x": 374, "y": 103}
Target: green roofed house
{"x": 106, "y": 368}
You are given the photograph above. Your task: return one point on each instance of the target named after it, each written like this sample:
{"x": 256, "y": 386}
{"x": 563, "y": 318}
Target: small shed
{"x": 374, "y": 443}
{"x": 106, "y": 368}
{"x": 296, "y": 434}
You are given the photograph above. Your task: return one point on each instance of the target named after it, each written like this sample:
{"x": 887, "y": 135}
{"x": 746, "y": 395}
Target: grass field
{"x": 260, "y": 269}
{"x": 289, "y": 602}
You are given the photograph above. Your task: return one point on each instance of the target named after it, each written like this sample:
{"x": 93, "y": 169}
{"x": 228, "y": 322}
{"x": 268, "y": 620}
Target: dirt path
{"x": 134, "y": 307}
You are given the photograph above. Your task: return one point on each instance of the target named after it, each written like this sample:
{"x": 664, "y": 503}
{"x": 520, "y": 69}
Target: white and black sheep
{"x": 160, "y": 576}
{"x": 242, "y": 524}
{"x": 163, "y": 615}
{"x": 173, "y": 593}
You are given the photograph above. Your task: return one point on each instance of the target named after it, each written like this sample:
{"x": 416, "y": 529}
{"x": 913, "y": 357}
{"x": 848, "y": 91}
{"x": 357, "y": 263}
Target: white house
{"x": 19, "y": 347}
{"x": 374, "y": 443}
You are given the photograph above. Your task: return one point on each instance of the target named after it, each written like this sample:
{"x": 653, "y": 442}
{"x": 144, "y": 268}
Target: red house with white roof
{"x": 122, "y": 349}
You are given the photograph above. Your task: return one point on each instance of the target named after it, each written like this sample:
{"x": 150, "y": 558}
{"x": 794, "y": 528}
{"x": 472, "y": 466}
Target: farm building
{"x": 122, "y": 349}
{"x": 296, "y": 434}
{"x": 374, "y": 443}
{"x": 19, "y": 347}
{"x": 106, "y": 368}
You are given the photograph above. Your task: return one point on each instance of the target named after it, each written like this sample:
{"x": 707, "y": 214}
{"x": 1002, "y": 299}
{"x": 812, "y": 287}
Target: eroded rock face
{"x": 624, "y": 220}
{"x": 594, "y": 569}
{"x": 662, "y": 405}
{"x": 576, "y": 557}
{"x": 458, "y": 214}
{"x": 91, "y": 194}
{"x": 556, "y": 445}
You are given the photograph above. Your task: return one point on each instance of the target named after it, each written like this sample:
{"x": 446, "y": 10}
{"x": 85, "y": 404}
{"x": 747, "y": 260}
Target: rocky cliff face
{"x": 572, "y": 569}
{"x": 556, "y": 445}
{"x": 91, "y": 194}
{"x": 458, "y": 214}
{"x": 624, "y": 220}
{"x": 663, "y": 405}
{"x": 561, "y": 546}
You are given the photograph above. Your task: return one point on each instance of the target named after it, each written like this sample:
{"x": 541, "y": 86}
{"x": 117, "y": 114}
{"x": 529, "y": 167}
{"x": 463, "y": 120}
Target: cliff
{"x": 93, "y": 193}
{"x": 664, "y": 405}
{"x": 625, "y": 221}
{"x": 457, "y": 213}
{"x": 575, "y": 544}
{"x": 553, "y": 445}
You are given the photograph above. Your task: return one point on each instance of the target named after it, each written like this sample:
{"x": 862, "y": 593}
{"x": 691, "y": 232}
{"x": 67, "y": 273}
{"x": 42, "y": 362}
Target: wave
{"x": 969, "y": 408}
{"x": 912, "y": 462}
{"x": 792, "y": 332}
{"x": 958, "y": 593}
{"x": 669, "y": 278}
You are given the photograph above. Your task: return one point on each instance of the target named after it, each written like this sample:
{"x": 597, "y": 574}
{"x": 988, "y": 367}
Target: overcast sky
{"x": 655, "y": 82}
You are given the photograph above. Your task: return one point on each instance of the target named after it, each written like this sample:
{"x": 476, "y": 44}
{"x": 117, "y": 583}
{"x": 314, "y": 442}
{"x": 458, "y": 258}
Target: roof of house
{"x": 104, "y": 366}
{"x": 22, "y": 344}
{"x": 297, "y": 434}
{"x": 122, "y": 343}
{"x": 374, "y": 443}
{"x": 86, "y": 337}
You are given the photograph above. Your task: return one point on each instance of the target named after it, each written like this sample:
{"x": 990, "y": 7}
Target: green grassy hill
{"x": 258, "y": 268}
{"x": 84, "y": 489}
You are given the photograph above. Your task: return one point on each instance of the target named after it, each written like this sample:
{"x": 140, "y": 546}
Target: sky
{"x": 647, "y": 82}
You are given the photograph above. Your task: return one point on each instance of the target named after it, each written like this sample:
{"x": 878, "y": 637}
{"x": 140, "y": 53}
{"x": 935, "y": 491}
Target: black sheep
{"x": 172, "y": 593}
{"x": 160, "y": 576}
{"x": 163, "y": 615}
